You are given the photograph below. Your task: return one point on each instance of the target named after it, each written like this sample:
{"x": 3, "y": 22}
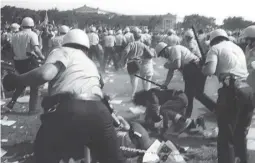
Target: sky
{"x": 218, "y": 9}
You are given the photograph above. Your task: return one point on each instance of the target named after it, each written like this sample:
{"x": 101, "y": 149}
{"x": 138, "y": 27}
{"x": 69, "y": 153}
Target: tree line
{"x": 11, "y": 14}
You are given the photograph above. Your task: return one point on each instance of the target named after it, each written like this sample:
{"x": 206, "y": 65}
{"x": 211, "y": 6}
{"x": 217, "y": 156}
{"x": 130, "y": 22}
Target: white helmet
{"x": 171, "y": 31}
{"x": 93, "y": 29}
{"x": 253, "y": 65}
{"x": 217, "y": 33}
{"x": 160, "y": 47}
{"x": 15, "y": 27}
{"x": 27, "y": 22}
{"x": 189, "y": 33}
{"x": 229, "y": 33}
{"x": 76, "y": 36}
{"x": 146, "y": 31}
{"x": 110, "y": 32}
{"x": 63, "y": 29}
{"x": 249, "y": 31}
{"x": 127, "y": 29}
{"x": 119, "y": 32}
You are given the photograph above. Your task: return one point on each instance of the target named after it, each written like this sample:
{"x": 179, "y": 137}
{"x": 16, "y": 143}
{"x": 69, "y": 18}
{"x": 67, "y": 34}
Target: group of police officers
{"x": 82, "y": 116}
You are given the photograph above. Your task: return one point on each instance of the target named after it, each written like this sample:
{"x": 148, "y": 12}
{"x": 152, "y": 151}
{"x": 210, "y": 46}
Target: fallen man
{"x": 163, "y": 106}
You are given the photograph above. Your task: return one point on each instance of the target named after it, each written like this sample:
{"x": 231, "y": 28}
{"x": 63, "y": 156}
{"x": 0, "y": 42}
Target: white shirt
{"x": 179, "y": 52}
{"x": 109, "y": 41}
{"x": 120, "y": 39}
{"x": 172, "y": 40}
{"x": 230, "y": 59}
{"x": 129, "y": 37}
{"x": 79, "y": 76}
{"x": 93, "y": 38}
{"x": 23, "y": 42}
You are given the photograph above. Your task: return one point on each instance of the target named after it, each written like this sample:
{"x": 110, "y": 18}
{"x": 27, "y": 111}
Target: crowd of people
{"x": 76, "y": 114}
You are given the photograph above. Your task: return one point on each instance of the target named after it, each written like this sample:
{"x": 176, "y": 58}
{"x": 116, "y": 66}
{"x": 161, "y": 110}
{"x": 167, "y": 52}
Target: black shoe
{"x": 182, "y": 125}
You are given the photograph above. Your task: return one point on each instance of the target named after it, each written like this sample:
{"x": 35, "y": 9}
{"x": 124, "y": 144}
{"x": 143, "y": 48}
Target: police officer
{"x": 56, "y": 42}
{"x": 110, "y": 53}
{"x": 96, "y": 49}
{"x": 249, "y": 35}
{"x": 75, "y": 115}
{"x": 25, "y": 44}
{"x": 234, "y": 105}
{"x": 171, "y": 39}
{"x": 181, "y": 58}
{"x": 128, "y": 35}
{"x": 120, "y": 43}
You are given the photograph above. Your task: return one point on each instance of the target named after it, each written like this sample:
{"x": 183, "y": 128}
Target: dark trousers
{"x": 75, "y": 124}
{"x": 23, "y": 66}
{"x": 96, "y": 51}
{"x": 118, "y": 50}
{"x": 110, "y": 54}
{"x": 234, "y": 114}
{"x": 194, "y": 87}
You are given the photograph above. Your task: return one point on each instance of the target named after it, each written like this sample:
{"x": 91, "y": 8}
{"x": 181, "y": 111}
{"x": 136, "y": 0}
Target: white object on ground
{"x": 211, "y": 133}
{"x": 4, "y": 140}
{"x": 14, "y": 127}
{"x": 111, "y": 80}
{"x": 116, "y": 101}
{"x": 251, "y": 134}
{"x": 24, "y": 99}
{"x": 7, "y": 122}
{"x": 150, "y": 157}
{"x": 175, "y": 156}
{"x": 137, "y": 110}
{"x": 2, "y": 102}
{"x": 3, "y": 152}
{"x": 21, "y": 127}
{"x": 251, "y": 144}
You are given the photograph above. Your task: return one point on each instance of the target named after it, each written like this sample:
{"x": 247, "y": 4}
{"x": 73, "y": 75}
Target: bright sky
{"x": 218, "y": 9}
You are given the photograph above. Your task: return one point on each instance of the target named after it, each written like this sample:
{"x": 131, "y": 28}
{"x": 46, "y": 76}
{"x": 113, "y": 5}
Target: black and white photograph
{"x": 127, "y": 81}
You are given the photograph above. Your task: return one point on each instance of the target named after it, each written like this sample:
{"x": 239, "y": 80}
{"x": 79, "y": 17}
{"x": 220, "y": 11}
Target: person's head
{"x": 189, "y": 35}
{"x": 50, "y": 27}
{"x": 200, "y": 32}
{"x": 218, "y": 36}
{"x": 126, "y": 30}
{"x": 15, "y": 27}
{"x": 63, "y": 29}
{"x": 249, "y": 35}
{"x": 137, "y": 35}
{"x": 77, "y": 39}
{"x": 110, "y": 32}
{"x": 161, "y": 49}
{"x": 27, "y": 23}
{"x": 170, "y": 32}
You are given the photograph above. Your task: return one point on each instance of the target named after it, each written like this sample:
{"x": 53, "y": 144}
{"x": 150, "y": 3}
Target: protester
{"x": 57, "y": 41}
{"x": 190, "y": 43}
{"x": 235, "y": 98}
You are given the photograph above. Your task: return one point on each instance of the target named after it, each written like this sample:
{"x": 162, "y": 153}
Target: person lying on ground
{"x": 165, "y": 105}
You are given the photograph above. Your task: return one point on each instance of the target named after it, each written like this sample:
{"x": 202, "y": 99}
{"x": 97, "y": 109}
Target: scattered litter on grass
{"x": 7, "y": 122}
{"x": 3, "y": 152}
{"x": 14, "y": 127}
{"x": 4, "y": 140}
{"x": 111, "y": 80}
{"x": 211, "y": 133}
{"x": 21, "y": 127}
{"x": 24, "y": 99}
{"x": 116, "y": 101}
{"x": 137, "y": 110}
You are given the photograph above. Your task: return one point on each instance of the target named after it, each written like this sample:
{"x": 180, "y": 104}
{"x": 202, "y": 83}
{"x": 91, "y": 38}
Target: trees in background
{"x": 235, "y": 23}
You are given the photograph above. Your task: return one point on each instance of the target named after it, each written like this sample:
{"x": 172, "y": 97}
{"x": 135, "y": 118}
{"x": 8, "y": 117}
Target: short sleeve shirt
{"x": 109, "y": 41}
{"x": 93, "y": 38}
{"x": 230, "y": 59}
{"x": 79, "y": 75}
{"x": 23, "y": 42}
{"x": 179, "y": 52}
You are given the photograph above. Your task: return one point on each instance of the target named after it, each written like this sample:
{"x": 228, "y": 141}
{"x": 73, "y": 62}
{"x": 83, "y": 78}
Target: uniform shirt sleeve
{"x": 212, "y": 56}
{"x": 34, "y": 39}
{"x": 175, "y": 54}
{"x": 58, "y": 56}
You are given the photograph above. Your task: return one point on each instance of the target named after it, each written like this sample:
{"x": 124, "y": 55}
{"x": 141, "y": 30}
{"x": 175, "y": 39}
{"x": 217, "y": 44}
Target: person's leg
{"x": 34, "y": 98}
{"x": 114, "y": 58}
{"x": 106, "y": 57}
{"x": 100, "y": 56}
{"x": 245, "y": 104}
{"x": 146, "y": 85}
{"x": 134, "y": 84}
{"x": 226, "y": 114}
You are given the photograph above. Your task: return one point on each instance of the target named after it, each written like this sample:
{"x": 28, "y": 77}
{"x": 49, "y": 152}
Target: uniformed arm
{"x": 211, "y": 63}
{"x": 35, "y": 46}
{"x": 55, "y": 63}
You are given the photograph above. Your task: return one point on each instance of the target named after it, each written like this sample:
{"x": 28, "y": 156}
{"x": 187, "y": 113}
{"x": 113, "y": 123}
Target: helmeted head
{"x": 93, "y": 29}
{"x": 27, "y": 22}
{"x": 63, "y": 29}
{"x": 119, "y": 32}
{"x": 126, "y": 30}
{"x": 110, "y": 32}
{"x": 160, "y": 47}
{"x": 229, "y": 33}
{"x": 189, "y": 34}
{"x": 249, "y": 35}
{"x": 146, "y": 30}
{"x": 218, "y": 34}
{"x": 78, "y": 37}
{"x": 15, "y": 27}
{"x": 170, "y": 32}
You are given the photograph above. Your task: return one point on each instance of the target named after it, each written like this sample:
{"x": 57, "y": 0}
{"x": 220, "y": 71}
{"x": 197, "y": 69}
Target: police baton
{"x": 199, "y": 45}
{"x": 161, "y": 86}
